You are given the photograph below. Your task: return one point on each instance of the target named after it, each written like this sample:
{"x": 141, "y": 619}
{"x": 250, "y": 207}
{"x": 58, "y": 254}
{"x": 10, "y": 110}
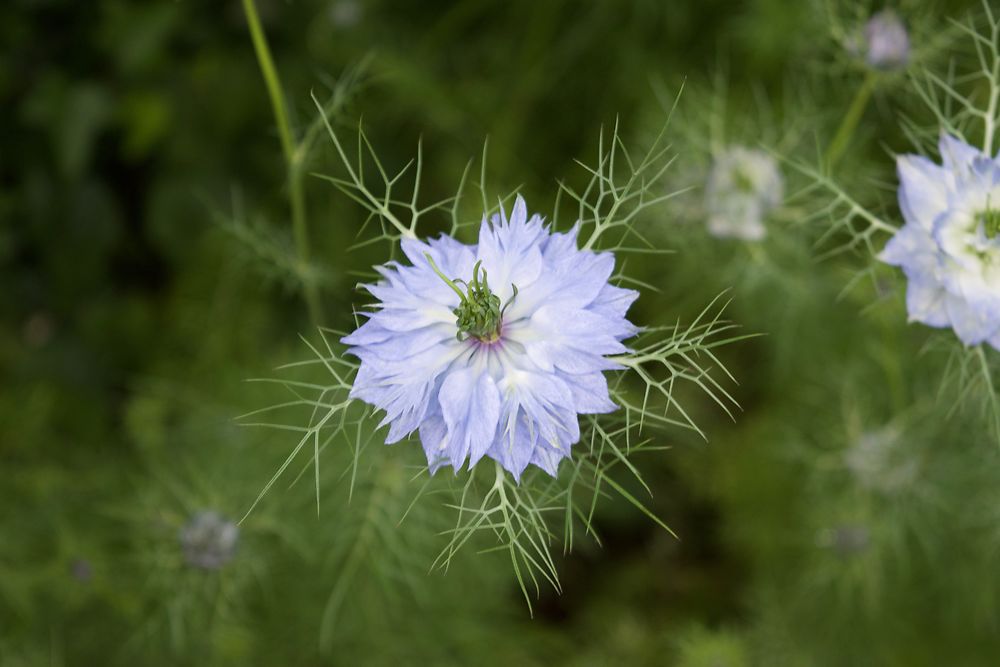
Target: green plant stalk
{"x": 851, "y": 119}
{"x": 294, "y": 157}
{"x": 893, "y": 369}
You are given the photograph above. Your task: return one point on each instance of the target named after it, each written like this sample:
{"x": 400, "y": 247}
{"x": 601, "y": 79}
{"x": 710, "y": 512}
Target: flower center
{"x": 744, "y": 182}
{"x": 479, "y": 313}
{"x": 990, "y": 219}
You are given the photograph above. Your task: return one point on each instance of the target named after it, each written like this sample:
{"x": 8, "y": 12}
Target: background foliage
{"x": 848, "y": 515}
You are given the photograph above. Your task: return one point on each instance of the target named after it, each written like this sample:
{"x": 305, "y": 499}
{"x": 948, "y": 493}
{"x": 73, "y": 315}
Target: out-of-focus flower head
{"x": 208, "y": 540}
{"x": 949, "y": 247}
{"x": 346, "y": 13}
{"x": 493, "y": 349}
{"x": 845, "y": 540}
{"x": 744, "y": 185}
{"x": 884, "y": 43}
{"x": 81, "y": 570}
{"x": 878, "y": 461}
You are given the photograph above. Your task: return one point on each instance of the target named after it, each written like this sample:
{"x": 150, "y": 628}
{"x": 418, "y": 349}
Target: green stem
{"x": 851, "y": 119}
{"x": 894, "y": 370}
{"x": 293, "y": 157}
{"x": 991, "y": 388}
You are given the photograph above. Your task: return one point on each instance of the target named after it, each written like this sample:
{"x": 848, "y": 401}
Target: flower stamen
{"x": 479, "y": 313}
{"x": 990, "y": 219}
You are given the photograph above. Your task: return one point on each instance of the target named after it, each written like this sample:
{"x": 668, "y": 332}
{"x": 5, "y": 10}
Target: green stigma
{"x": 479, "y": 314}
{"x": 743, "y": 182}
{"x": 991, "y": 222}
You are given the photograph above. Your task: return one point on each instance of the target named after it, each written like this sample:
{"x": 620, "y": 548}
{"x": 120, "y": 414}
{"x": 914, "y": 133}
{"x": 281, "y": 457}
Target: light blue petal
{"x": 925, "y": 303}
{"x": 515, "y": 443}
{"x": 972, "y": 326}
{"x": 408, "y": 344}
{"x": 547, "y": 459}
{"x": 912, "y": 247}
{"x": 433, "y": 432}
{"x": 453, "y": 258}
{"x": 923, "y": 190}
{"x": 956, "y": 155}
{"x": 613, "y": 302}
{"x": 548, "y": 403}
{"x": 470, "y": 404}
{"x": 367, "y": 334}
{"x": 581, "y": 329}
{"x": 590, "y": 393}
{"x": 549, "y": 356}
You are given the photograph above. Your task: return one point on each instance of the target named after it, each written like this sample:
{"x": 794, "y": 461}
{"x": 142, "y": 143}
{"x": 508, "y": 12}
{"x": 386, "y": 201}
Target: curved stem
{"x": 851, "y": 119}
{"x": 293, "y": 156}
{"x": 894, "y": 370}
{"x": 989, "y": 116}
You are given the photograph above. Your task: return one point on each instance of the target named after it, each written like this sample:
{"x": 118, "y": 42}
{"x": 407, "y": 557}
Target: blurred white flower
{"x": 877, "y": 463}
{"x": 744, "y": 185}
{"x": 346, "y": 13}
{"x": 208, "y": 540}
{"x": 845, "y": 540}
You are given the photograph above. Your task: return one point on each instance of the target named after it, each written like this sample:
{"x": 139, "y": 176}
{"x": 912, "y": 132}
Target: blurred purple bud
{"x": 887, "y": 44}
{"x": 81, "y": 570}
{"x": 38, "y": 330}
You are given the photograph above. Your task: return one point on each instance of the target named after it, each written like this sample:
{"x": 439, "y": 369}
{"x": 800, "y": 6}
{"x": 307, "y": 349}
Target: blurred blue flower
{"x": 208, "y": 540}
{"x": 503, "y": 368}
{"x": 949, "y": 247}
{"x": 744, "y": 185}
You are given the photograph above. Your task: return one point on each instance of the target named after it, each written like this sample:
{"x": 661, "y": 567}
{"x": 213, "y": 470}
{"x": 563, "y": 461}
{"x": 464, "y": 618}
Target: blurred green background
{"x": 146, "y": 250}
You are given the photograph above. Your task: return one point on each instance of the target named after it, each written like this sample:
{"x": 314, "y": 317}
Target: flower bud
{"x": 886, "y": 44}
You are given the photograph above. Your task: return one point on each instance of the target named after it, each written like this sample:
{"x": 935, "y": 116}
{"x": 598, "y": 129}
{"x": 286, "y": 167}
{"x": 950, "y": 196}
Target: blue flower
{"x": 744, "y": 186}
{"x": 503, "y": 368}
{"x": 949, "y": 247}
